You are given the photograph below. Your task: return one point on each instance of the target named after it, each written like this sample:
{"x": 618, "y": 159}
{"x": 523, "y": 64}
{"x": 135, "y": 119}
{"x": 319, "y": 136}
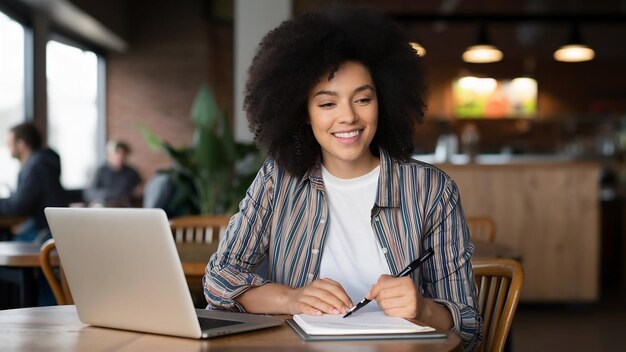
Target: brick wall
{"x": 173, "y": 49}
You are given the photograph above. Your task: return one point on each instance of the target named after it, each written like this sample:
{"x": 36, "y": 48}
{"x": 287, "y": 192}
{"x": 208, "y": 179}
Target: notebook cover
{"x": 405, "y": 336}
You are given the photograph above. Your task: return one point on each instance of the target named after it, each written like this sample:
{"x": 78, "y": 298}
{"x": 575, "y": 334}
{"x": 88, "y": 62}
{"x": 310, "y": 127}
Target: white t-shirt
{"x": 352, "y": 255}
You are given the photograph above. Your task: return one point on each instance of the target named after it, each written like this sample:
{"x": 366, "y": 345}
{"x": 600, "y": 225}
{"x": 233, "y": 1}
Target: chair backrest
{"x": 199, "y": 228}
{"x": 499, "y": 283}
{"x": 481, "y": 228}
{"x": 59, "y": 286}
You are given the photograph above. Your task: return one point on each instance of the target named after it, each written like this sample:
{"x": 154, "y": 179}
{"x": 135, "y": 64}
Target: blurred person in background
{"x": 116, "y": 183}
{"x": 38, "y": 183}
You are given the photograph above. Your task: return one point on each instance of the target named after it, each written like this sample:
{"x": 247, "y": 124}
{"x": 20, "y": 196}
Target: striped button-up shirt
{"x": 285, "y": 219}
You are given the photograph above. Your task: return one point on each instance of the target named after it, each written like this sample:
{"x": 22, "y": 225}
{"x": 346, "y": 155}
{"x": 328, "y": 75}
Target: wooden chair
{"x": 499, "y": 283}
{"x": 199, "y": 228}
{"x": 59, "y": 286}
{"x": 196, "y": 230}
{"x": 481, "y": 229}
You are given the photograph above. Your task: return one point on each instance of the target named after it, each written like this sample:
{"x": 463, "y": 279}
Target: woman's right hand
{"x": 318, "y": 297}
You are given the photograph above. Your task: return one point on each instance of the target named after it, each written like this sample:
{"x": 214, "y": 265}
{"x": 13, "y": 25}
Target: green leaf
{"x": 154, "y": 142}
{"x": 213, "y": 173}
{"x": 204, "y": 110}
{"x": 182, "y": 160}
{"x": 227, "y": 139}
{"x": 207, "y": 152}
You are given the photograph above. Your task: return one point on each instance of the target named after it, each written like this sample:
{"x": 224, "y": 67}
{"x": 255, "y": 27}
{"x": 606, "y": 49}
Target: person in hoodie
{"x": 38, "y": 183}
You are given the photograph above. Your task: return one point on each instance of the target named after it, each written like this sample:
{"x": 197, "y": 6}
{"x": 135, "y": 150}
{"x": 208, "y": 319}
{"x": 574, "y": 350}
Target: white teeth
{"x": 346, "y": 134}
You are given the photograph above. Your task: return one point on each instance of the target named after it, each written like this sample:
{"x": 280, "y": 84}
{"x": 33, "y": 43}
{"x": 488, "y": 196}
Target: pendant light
{"x": 482, "y": 52}
{"x": 575, "y": 50}
{"x": 419, "y": 49}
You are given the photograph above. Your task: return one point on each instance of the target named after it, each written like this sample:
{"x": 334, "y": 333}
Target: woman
{"x": 339, "y": 207}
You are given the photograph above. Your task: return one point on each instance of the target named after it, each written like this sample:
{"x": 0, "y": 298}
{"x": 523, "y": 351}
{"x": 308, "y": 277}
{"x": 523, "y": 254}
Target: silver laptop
{"x": 124, "y": 272}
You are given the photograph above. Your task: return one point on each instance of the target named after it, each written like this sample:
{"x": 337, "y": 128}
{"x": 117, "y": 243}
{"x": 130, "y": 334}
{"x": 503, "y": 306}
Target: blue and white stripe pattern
{"x": 286, "y": 218}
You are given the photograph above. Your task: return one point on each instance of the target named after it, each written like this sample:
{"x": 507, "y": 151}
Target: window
{"x": 73, "y": 114}
{"x": 12, "y": 93}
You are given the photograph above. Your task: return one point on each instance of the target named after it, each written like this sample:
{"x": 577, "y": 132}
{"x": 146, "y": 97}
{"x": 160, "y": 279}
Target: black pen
{"x": 409, "y": 269}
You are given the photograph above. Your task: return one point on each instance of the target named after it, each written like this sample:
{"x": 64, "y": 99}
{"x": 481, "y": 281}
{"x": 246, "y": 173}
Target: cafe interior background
{"x": 535, "y": 139}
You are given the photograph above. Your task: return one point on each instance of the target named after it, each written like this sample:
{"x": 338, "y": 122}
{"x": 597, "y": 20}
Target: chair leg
{"x": 508, "y": 345}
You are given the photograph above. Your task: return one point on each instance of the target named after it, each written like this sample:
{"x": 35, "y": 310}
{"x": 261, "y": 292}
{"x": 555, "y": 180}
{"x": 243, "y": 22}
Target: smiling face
{"x": 343, "y": 113}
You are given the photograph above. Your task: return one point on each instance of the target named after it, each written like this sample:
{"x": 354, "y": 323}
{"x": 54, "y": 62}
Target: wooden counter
{"x": 549, "y": 212}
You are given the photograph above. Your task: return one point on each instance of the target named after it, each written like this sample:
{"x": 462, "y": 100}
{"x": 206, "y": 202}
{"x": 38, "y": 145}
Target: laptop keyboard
{"x": 209, "y": 323}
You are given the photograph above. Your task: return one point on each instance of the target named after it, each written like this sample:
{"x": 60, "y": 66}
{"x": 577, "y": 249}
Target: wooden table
{"x": 194, "y": 257}
{"x": 21, "y": 255}
{"x": 58, "y": 329}
{"x": 483, "y": 250}
{"x": 19, "y": 262}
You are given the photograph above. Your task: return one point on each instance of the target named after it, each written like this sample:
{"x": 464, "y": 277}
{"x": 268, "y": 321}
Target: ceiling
{"x": 522, "y": 29}
{"x": 447, "y": 27}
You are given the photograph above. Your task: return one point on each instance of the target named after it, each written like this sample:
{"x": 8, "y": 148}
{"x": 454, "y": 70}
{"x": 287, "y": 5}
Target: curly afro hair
{"x": 293, "y": 57}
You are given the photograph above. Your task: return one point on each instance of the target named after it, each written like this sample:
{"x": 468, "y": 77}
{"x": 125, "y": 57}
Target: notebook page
{"x": 362, "y": 323}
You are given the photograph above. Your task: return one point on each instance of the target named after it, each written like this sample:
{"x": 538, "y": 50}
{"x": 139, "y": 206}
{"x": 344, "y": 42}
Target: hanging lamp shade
{"x": 482, "y": 52}
{"x": 575, "y": 50}
{"x": 419, "y": 49}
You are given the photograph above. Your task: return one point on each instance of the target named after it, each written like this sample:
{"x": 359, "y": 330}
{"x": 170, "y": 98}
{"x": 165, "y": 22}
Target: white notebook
{"x": 361, "y": 323}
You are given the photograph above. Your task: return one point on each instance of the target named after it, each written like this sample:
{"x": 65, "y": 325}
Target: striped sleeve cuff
{"x": 467, "y": 323}
{"x": 221, "y": 289}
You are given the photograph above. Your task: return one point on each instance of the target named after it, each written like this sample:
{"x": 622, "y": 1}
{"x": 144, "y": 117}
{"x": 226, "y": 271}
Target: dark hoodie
{"x": 38, "y": 186}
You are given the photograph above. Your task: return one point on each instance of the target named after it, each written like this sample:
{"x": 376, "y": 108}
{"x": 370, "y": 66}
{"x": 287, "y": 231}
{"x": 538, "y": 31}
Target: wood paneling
{"x": 547, "y": 212}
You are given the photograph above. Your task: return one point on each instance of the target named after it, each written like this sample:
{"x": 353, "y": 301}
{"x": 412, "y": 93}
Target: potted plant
{"x": 213, "y": 173}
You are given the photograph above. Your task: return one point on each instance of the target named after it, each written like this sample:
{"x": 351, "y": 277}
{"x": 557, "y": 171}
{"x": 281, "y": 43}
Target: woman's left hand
{"x": 397, "y": 296}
